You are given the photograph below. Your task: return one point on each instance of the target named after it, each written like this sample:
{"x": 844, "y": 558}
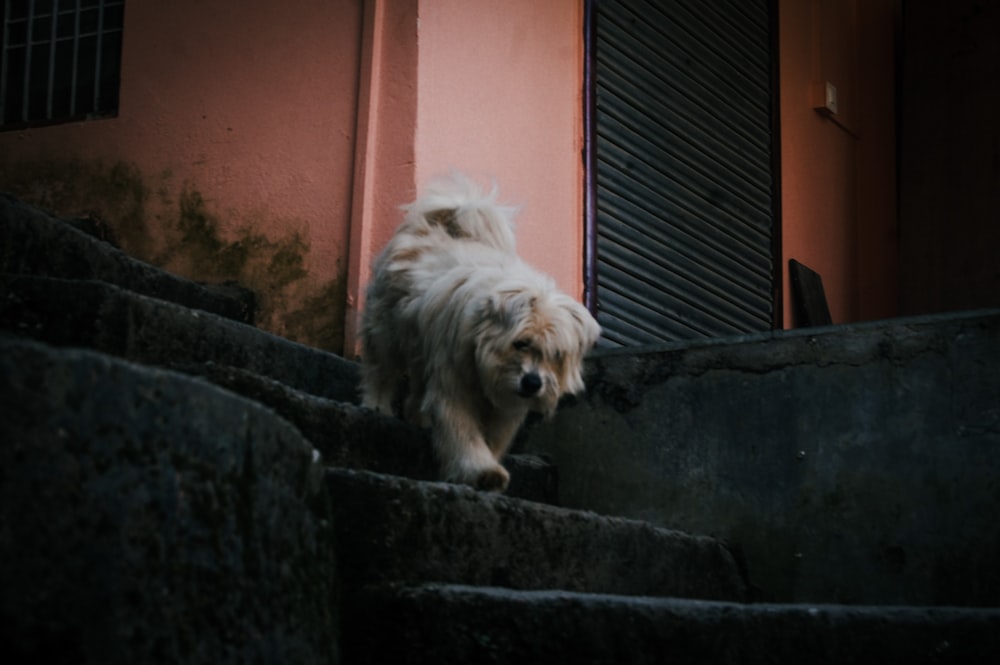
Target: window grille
{"x": 61, "y": 60}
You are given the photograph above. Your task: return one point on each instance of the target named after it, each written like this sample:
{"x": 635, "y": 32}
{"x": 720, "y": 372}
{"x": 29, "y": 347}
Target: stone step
{"x": 461, "y": 624}
{"x": 148, "y": 512}
{"x": 148, "y": 516}
{"x": 349, "y": 436}
{"x": 109, "y": 319}
{"x": 312, "y": 389}
{"x": 413, "y": 532}
{"x": 34, "y": 242}
{"x": 853, "y": 464}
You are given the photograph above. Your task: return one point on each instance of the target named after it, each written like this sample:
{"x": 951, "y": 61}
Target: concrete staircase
{"x": 178, "y": 486}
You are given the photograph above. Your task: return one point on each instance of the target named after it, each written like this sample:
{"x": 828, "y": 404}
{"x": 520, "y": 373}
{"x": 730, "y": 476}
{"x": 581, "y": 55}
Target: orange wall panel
{"x": 838, "y": 170}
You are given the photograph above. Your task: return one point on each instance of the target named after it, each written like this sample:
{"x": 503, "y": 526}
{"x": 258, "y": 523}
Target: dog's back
{"x": 457, "y": 206}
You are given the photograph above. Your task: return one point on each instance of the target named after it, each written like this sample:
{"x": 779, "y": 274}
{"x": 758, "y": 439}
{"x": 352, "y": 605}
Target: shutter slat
{"x": 684, "y": 182}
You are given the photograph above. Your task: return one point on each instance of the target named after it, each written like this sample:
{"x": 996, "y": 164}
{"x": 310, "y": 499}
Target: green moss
{"x": 321, "y": 317}
{"x": 286, "y": 264}
{"x": 116, "y": 194}
{"x": 198, "y": 228}
{"x": 174, "y": 227}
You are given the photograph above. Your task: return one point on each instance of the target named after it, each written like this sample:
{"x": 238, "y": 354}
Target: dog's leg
{"x": 413, "y": 404}
{"x": 465, "y": 457}
{"x": 378, "y": 387}
{"x": 501, "y": 428}
{"x": 373, "y": 393}
{"x": 382, "y": 372}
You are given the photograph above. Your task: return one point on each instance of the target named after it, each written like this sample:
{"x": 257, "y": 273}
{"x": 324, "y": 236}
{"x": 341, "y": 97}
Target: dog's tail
{"x": 464, "y": 210}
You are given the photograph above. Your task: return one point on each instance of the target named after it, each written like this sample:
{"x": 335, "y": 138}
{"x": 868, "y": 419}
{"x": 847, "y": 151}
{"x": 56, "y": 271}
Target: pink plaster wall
{"x": 257, "y": 107}
{"x": 323, "y": 117}
{"x": 838, "y": 172}
{"x": 500, "y": 96}
{"x": 251, "y": 103}
{"x": 384, "y": 162}
{"x": 817, "y": 155}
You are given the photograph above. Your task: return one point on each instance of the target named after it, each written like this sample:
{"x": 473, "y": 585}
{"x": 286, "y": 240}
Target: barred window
{"x": 61, "y": 61}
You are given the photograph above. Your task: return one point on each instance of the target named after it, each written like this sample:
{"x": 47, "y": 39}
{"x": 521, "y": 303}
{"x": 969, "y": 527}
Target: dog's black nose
{"x": 530, "y": 385}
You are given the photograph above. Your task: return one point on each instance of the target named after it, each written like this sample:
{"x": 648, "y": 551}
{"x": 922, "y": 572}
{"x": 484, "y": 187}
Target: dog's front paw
{"x": 486, "y": 478}
{"x": 493, "y": 480}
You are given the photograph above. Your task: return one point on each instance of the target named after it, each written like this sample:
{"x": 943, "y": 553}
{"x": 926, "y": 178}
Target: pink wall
{"x": 321, "y": 118}
{"x": 321, "y": 121}
{"x": 838, "y": 172}
{"x": 251, "y": 104}
{"x": 492, "y": 88}
{"x": 255, "y": 107}
{"x": 500, "y": 96}
{"x": 383, "y": 158}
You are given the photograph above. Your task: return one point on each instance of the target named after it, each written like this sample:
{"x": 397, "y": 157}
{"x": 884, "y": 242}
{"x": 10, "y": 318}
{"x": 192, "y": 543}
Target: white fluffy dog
{"x": 478, "y": 337}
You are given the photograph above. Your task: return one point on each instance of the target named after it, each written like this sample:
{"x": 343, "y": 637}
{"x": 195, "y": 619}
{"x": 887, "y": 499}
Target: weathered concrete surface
{"x": 148, "y": 517}
{"x": 34, "y": 242}
{"x": 353, "y": 437}
{"x": 855, "y": 464}
{"x": 412, "y": 531}
{"x": 105, "y": 318}
{"x": 311, "y": 388}
{"x": 453, "y": 624}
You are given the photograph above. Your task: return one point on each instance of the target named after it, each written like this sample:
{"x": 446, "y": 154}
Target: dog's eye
{"x": 522, "y": 345}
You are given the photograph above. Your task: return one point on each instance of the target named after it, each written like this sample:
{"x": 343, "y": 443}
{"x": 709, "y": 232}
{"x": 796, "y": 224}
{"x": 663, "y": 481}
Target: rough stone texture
{"x": 353, "y": 437}
{"x": 106, "y": 318}
{"x": 442, "y": 624}
{"x": 33, "y": 242}
{"x": 311, "y": 388}
{"x": 855, "y": 464}
{"x": 148, "y": 517}
{"x": 411, "y": 531}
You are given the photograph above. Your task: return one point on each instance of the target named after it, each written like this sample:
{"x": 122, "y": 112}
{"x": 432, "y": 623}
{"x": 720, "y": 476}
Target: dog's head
{"x": 530, "y": 345}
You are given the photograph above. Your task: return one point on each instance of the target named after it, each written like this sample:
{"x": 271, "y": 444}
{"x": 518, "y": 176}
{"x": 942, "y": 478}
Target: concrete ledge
{"x": 105, "y": 318}
{"x": 413, "y": 531}
{"x": 852, "y": 464}
{"x": 453, "y": 624}
{"x": 34, "y": 242}
{"x": 146, "y": 516}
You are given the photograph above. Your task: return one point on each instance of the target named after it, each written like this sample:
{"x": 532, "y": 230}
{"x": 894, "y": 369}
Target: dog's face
{"x": 530, "y": 348}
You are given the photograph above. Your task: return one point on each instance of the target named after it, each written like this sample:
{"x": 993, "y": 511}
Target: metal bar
{"x": 50, "y": 86}
{"x": 41, "y": 91}
{"x": 97, "y": 58}
{"x": 777, "y": 273}
{"x": 76, "y": 61}
{"x": 3, "y": 66}
{"x": 26, "y": 89}
{"x": 590, "y": 157}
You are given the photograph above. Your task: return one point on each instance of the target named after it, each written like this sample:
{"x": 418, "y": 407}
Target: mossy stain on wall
{"x": 173, "y": 226}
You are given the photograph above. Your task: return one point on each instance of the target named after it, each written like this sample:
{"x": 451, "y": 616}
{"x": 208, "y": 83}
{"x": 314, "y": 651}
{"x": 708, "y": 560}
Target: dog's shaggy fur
{"x": 478, "y": 337}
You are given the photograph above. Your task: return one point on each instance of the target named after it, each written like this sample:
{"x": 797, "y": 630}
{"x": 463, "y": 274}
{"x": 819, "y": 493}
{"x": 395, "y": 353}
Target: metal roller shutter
{"x": 683, "y": 169}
